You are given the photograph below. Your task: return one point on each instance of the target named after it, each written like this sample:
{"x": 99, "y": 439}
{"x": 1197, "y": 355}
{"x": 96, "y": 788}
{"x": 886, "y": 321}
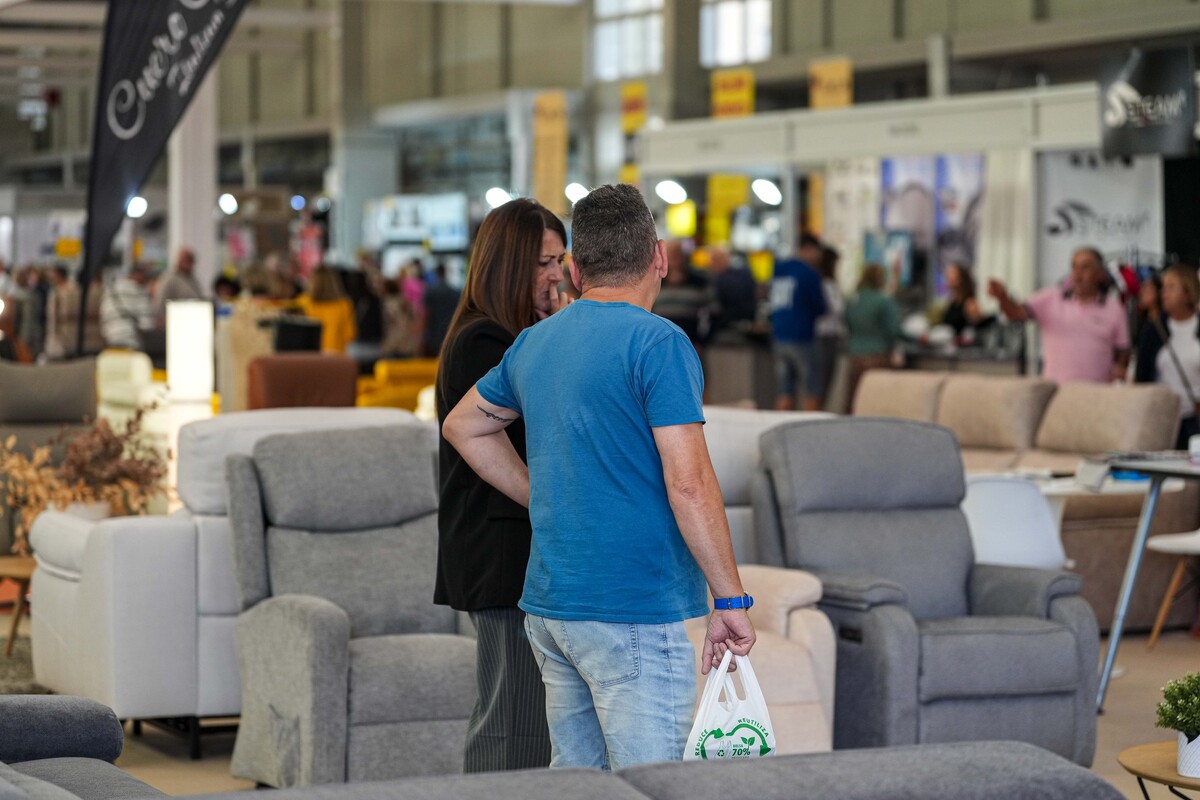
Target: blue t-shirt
{"x": 591, "y": 381}
{"x": 797, "y": 299}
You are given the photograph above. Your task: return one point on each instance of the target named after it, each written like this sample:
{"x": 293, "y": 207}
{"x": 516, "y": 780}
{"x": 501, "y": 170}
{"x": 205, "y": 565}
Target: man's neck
{"x": 1182, "y": 316}
{"x": 641, "y": 294}
{"x": 1085, "y": 298}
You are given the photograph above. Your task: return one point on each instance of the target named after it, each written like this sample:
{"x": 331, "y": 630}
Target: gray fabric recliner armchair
{"x": 931, "y": 646}
{"x": 349, "y": 672}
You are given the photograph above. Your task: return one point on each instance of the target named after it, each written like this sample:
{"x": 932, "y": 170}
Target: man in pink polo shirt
{"x": 1085, "y": 336}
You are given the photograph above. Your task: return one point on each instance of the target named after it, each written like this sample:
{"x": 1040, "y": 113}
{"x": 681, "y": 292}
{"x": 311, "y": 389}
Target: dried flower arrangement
{"x": 99, "y": 465}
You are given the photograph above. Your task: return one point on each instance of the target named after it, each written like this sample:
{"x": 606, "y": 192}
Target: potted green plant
{"x": 1179, "y": 711}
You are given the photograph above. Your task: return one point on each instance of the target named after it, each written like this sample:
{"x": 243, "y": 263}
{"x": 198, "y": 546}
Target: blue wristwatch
{"x": 726, "y": 603}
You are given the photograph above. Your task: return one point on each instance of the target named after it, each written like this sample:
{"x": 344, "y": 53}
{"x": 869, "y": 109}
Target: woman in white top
{"x": 1177, "y": 365}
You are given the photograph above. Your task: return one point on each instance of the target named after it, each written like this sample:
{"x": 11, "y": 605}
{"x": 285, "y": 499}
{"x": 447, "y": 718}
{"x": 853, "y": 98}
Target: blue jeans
{"x": 617, "y": 694}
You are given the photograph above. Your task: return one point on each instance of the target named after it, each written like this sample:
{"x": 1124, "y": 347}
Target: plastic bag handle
{"x": 716, "y": 680}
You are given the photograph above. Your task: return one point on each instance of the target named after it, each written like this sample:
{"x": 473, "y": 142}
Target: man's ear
{"x": 660, "y": 259}
{"x": 576, "y": 279}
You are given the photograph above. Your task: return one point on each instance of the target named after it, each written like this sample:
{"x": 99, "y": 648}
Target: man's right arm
{"x": 695, "y": 499}
{"x": 1009, "y": 307}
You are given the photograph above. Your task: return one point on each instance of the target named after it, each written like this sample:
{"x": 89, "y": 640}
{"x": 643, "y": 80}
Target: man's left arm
{"x": 699, "y": 510}
{"x": 475, "y": 427}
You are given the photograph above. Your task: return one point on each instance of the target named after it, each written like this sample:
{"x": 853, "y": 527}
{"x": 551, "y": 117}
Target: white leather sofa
{"x": 138, "y": 613}
{"x": 795, "y": 655}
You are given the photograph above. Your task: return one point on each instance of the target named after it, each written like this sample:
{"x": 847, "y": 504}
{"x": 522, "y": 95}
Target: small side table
{"x": 1156, "y": 762}
{"x": 19, "y": 569}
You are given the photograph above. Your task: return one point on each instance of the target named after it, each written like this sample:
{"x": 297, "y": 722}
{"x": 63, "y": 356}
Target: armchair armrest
{"x": 777, "y": 593}
{"x": 33, "y": 727}
{"x": 998, "y": 590}
{"x": 859, "y": 592}
{"x": 294, "y": 653}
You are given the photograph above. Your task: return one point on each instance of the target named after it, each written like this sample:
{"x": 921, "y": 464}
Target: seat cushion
{"x": 204, "y": 445}
{"x": 1095, "y": 417}
{"x": 84, "y": 778}
{"x": 982, "y": 459}
{"x": 995, "y": 656}
{"x": 991, "y": 411}
{"x": 411, "y": 678}
{"x": 347, "y": 480}
{"x": 908, "y": 394}
{"x": 382, "y": 578}
{"x": 52, "y": 393}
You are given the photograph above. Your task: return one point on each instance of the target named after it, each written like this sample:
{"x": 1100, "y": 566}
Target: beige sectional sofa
{"x": 1015, "y": 423}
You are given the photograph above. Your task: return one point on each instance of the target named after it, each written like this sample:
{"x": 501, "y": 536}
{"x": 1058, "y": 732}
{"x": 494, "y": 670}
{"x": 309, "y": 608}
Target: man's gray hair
{"x": 612, "y": 236}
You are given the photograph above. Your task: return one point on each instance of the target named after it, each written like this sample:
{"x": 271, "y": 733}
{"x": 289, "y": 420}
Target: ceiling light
{"x": 136, "y": 207}
{"x": 227, "y": 203}
{"x": 671, "y": 192}
{"x": 298, "y": 202}
{"x": 496, "y": 197}
{"x": 576, "y": 192}
{"x": 767, "y": 191}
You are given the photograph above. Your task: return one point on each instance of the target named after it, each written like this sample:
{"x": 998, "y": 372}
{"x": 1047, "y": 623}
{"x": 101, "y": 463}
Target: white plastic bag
{"x": 732, "y": 728}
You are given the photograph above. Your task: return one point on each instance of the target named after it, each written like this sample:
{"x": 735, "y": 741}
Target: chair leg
{"x": 1167, "y": 601}
{"x": 18, "y": 608}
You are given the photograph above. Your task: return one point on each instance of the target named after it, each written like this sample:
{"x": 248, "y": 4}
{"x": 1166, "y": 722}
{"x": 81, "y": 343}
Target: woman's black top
{"x": 483, "y": 536}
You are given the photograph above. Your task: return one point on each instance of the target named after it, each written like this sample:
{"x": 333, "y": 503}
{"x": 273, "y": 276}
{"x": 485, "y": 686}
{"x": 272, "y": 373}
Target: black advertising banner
{"x": 156, "y": 54}
{"x": 1148, "y": 104}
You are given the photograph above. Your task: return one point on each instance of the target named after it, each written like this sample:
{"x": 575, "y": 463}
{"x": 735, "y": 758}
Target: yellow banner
{"x": 816, "y": 203}
{"x": 629, "y": 173}
{"x": 550, "y": 150}
{"x": 633, "y": 106}
{"x": 732, "y": 92}
{"x": 681, "y": 219}
{"x": 68, "y": 247}
{"x": 831, "y": 83}
{"x": 726, "y": 193}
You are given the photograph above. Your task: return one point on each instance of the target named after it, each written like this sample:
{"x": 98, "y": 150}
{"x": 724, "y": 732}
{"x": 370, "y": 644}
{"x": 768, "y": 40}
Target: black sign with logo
{"x": 155, "y": 56}
{"x": 1148, "y": 104}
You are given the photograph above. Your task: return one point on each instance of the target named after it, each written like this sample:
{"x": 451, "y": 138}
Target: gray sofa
{"x": 57, "y": 748}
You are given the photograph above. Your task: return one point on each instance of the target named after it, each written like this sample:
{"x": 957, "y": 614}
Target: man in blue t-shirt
{"x": 797, "y": 300}
{"x": 628, "y": 520}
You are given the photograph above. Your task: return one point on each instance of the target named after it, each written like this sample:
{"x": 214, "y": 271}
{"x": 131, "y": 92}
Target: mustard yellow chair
{"x": 397, "y": 383}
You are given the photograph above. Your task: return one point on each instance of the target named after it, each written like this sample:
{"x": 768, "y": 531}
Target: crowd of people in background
{"x": 821, "y": 340}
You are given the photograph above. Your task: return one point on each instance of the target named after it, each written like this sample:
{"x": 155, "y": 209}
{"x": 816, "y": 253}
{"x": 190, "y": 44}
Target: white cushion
{"x": 203, "y": 445}
{"x": 59, "y": 540}
{"x": 732, "y": 435}
{"x": 121, "y": 376}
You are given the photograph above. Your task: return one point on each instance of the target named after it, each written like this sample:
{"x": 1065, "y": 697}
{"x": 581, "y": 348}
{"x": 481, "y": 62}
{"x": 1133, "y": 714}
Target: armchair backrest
{"x": 349, "y": 516}
{"x": 877, "y": 497}
{"x": 204, "y": 445}
{"x": 732, "y": 436}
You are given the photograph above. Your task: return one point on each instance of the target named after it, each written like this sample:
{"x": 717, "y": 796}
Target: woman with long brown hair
{"x": 483, "y": 536}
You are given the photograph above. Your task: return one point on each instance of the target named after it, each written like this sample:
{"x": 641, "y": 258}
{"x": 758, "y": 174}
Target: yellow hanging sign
{"x": 732, "y": 92}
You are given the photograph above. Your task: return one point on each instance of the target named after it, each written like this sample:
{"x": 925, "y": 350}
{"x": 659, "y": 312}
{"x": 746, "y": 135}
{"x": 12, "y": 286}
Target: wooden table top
{"x": 19, "y": 568}
{"x": 1156, "y": 762}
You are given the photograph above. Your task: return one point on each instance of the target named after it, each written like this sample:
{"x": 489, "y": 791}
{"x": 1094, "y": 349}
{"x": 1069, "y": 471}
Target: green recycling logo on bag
{"x": 727, "y": 726}
{"x": 747, "y": 739}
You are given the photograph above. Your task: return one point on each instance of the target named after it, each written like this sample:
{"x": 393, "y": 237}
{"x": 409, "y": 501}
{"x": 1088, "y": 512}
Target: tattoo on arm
{"x": 490, "y": 415}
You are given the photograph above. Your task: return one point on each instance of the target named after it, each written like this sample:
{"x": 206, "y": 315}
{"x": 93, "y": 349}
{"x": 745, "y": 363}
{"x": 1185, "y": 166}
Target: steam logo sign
{"x": 1077, "y": 218}
{"x": 1126, "y": 106}
{"x": 746, "y": 739}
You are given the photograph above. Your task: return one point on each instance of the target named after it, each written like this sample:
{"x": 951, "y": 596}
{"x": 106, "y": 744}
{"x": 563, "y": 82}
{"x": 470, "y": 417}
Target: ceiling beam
{"x": 50, "y": 63}
{"x": 82, "y": 14}
{"x": 20, "y": 39}
{"x": 86, "y": 81}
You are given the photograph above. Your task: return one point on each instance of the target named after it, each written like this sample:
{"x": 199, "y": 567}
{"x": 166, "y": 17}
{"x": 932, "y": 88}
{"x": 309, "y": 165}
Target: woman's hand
{"x": 553, "y": 302}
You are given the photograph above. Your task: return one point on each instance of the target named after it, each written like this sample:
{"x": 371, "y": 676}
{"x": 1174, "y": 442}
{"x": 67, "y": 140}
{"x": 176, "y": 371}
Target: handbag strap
{"x": 1165, "y": 335}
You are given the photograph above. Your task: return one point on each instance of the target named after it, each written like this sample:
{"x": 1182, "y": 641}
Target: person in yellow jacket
{"x": 326, "y": 302}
